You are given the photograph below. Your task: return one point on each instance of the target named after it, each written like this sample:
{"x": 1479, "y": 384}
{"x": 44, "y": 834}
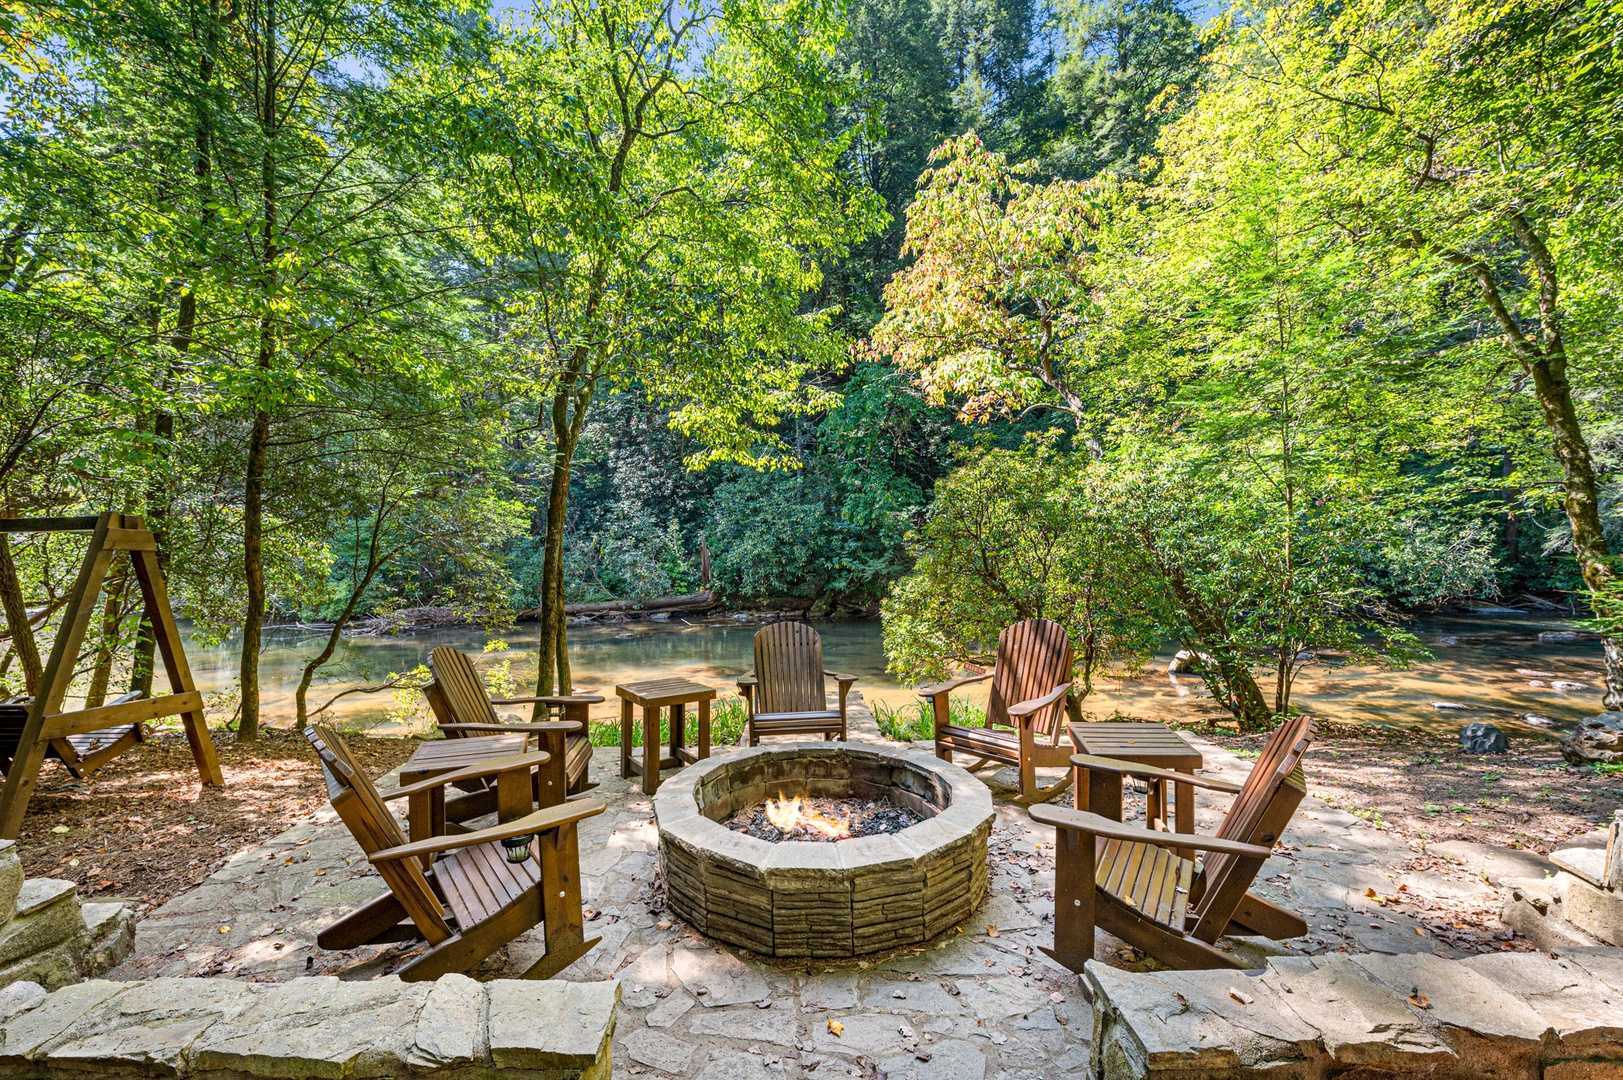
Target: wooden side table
{"x": 652, "y": 696}
{"x": 1155, "y": 745}
{"x": 426, "y": 811}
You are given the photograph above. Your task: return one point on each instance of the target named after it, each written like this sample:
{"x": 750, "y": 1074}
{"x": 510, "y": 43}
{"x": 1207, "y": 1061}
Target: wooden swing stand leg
{"x": 47, "y": 727}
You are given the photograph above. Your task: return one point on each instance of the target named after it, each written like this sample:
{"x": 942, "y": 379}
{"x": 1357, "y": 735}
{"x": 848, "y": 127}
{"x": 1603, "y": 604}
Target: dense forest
{"x": 1252, "y": 329}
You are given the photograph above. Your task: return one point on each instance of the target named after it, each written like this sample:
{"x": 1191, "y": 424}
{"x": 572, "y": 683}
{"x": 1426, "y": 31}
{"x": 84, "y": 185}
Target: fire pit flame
{"x": 789, "y": 814}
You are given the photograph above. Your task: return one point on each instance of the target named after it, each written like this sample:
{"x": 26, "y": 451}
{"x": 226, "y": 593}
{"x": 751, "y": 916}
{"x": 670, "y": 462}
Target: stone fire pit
{"x": 836, "y": 899}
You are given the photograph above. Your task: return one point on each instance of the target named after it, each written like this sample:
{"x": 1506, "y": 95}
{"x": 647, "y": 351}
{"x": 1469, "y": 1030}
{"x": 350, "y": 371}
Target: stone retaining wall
{"x": 1501, "y": 1015}
{"x": 48, "y": 937}
{"x": 309, "y": 1027}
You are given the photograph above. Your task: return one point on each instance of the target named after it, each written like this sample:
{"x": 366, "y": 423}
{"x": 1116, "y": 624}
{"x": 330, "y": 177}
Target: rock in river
{"x": 1483, "y": 739}
{"x": 1598, "y": 739}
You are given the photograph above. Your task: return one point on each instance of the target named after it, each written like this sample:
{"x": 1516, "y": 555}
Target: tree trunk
{"x": 16, "y": 608}
{"x": 112, "y": 614}
{"x": 253, "y": 569}
{"x": 550, "y": 596}
{"x": 569, "y": 405}
{"x": 253, "y": 510}
{"x": 1544, "y": 358}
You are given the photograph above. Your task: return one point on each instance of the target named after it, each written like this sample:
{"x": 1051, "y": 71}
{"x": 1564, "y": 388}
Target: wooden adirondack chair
{"x": 1131, "y": 881}
{"x": 785, "y": 693}
{"x": 473, "y": 900}
{"x": 1030, "y": 679}
{"x": 464, "y": 710}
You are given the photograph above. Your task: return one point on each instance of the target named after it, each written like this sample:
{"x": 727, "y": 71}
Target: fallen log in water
{"x": 407, "y": 620}
{"x": 699, "y": 601}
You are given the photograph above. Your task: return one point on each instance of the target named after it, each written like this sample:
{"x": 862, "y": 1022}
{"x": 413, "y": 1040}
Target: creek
{"x": 1490, "y": 663}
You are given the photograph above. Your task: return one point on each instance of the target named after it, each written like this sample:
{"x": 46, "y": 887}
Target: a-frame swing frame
{"x": 110, "y": 534}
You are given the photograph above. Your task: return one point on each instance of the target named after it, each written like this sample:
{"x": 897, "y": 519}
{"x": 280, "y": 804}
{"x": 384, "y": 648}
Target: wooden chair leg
{"x": 1075, "y": 864}
{"x": 565, "y": 927}
{"x": 364, "y": 925}
{"x": 551, "y": 779}
{"x": 625, "y": 738}
{"x": 1028, "y": 761}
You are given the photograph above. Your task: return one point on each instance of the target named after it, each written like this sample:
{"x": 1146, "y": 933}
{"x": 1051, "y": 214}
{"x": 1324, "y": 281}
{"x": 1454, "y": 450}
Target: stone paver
{"x": 981, "y": 1001}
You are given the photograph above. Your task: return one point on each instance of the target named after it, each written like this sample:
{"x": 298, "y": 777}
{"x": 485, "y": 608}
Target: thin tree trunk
{"x": 335, "y": 635}
{"x": 112, "y": 614}
{"x": 253, "y": 568}
{"x": 253, "y": 516}
{"x": 16, "y": 608}
{"x": 163, "y": 422}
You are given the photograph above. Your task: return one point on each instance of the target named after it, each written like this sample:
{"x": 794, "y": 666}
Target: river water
{"x": 1487, "y": 662}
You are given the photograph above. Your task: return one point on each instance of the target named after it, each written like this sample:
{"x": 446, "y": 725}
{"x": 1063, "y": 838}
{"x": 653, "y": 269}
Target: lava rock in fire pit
{"x": 1483, "y": 739}
{"x": 803, "y": 818}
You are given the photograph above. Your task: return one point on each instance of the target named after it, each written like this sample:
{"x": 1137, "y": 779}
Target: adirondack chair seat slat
{"x": 1152, "y": 879}
{"x": 785, "y": 694}
{"x": 1029, "y": 683}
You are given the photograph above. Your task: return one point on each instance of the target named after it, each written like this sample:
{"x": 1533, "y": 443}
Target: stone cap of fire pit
{"x": 796, "y": 898}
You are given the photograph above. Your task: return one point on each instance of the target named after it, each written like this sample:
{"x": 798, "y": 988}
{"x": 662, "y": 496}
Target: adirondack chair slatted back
{"x": 1260, "y": 812}
{"x": 1033, "y": 657}
{"x": 789, "y": 669}
{"x": 362, "y": 809}
{"x": 458, "y": 683}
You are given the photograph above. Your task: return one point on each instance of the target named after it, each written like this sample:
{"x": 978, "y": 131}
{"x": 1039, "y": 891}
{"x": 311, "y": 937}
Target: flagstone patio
{"x": 982, "y": 1002}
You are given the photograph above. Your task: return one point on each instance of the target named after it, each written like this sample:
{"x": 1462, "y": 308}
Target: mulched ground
{"x": 144, "y": 829}
{"x": 1422, "y": 788}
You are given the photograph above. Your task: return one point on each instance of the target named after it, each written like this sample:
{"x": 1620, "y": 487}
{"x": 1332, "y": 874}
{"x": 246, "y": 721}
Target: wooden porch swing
{"x": 86, "y": 739}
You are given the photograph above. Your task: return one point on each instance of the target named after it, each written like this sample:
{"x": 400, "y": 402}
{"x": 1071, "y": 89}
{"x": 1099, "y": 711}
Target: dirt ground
{"x": 1422, "y": 788}
{"x": 144, "y": 829}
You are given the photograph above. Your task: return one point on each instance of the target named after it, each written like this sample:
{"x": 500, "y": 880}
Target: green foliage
{"x": 1128, "y": 68}
{"x": 1016, "y": 535}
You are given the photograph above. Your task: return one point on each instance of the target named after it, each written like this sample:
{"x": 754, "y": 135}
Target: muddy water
{"x": 1487, "y": 663}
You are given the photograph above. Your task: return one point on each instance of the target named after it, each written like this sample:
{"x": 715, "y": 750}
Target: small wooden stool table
{"x": 425, "y": 811}
{"x": 652, "y": 696}
{"x": 1155, "y": 745}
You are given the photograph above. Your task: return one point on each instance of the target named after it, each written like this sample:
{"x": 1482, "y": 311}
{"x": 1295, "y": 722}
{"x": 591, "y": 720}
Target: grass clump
{"x": 916, "y": 723}
{"x": 727, "y": 719}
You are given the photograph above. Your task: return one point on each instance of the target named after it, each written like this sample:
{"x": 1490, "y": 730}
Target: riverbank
{"x": 1425, "y": 790}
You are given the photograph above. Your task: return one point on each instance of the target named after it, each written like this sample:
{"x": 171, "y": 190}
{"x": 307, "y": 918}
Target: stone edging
{"x": 309, "y": 1027}
{"x": 1502, "y": 1014}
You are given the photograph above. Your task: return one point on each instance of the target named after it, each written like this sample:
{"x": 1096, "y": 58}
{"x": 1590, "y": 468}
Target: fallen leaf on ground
{"x": 835, "y": 1028}
{"x": 1243, "y": 999}
{"x": 991, "y": 931}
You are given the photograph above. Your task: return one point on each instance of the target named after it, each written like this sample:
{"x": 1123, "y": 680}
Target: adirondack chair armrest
{"x": 1023, "y": 709}
{"x": 928, "y": 692}
{"x": 565, "y": 813}
{"x": 837, "y": 677}
{"x": 1148, "y": 772}
{"x": 472, "y": 772}
{"x": 1065, "y": 817}
{"x": 569, "y": 727}
{"x": 555, "y": 699}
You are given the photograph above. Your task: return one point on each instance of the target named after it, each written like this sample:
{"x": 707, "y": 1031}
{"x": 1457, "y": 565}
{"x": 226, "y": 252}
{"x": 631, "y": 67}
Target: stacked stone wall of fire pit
{"x": 839, "y": 899}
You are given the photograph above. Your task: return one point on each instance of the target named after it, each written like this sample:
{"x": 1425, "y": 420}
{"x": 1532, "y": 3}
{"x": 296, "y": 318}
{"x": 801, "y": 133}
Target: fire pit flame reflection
{"x": 787, "y": 815}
